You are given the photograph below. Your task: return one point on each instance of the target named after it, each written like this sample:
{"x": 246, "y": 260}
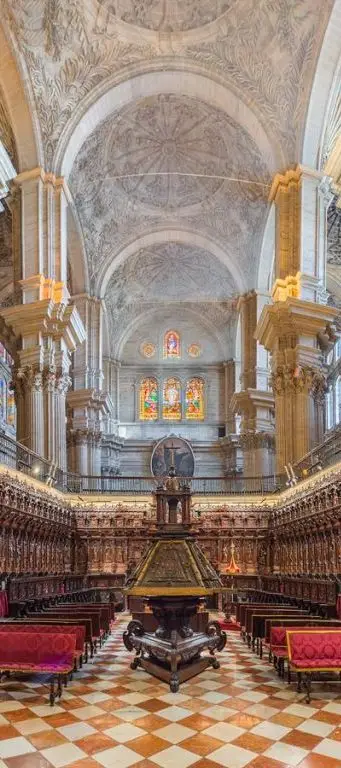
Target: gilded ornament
{"x": 148, "y": 349}
{"x": 194, "y": 350}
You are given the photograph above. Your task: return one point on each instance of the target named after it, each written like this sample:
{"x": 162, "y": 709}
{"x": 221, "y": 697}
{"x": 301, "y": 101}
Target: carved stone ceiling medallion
{"x": 165, "y": 162}
{"x": 168, "y": 15}
{"x": 169, "y": 135}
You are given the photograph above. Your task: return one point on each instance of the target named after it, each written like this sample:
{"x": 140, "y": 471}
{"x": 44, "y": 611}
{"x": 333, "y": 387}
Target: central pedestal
{"x": 173, "y": 652}
{"x": 173, "y": 577}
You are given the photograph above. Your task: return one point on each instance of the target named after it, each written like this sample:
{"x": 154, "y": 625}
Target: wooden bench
{"x": 76, "y": 629}
{"x": 264, "y": 611}
{"x": 105, "y": 613}
{"x": 65, "y": 621}
{"x": 311, "y": 651}
{"x": 93, "y": 614}
{"x": 39, "y": 653}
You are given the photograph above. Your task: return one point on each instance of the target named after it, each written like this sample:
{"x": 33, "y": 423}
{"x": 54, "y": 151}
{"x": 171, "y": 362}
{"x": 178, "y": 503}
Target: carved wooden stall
{"x": 289, "y": 543}
{"x": 37, "y": 530}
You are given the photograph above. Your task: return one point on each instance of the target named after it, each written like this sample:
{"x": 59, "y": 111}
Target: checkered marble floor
{"x": 240, "y": 715}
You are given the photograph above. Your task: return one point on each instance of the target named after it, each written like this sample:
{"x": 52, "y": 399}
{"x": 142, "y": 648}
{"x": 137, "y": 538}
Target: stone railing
{"x": 16, "y": 456}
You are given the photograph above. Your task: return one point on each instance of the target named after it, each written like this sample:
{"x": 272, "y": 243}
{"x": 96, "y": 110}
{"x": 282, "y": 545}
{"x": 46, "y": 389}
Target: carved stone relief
{"x": 162, "y": 14}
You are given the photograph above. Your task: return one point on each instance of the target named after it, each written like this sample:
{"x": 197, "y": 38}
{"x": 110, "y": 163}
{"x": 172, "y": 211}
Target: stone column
{"x": 298, "y": 326}
{"x": 47, "y": 326}
{"x": 49, "y": 379}
{"x": 230, "y": 387}
{"x": 62, "y": 386}
{"x": 30, "y": 382}
{"x": 87, "y": 408}
{"x": 255, "y": 402}
{"x": 88, "y": 403}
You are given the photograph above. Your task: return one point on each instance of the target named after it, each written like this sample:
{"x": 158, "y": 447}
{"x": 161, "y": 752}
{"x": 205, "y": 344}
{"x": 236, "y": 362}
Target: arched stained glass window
{"x": 171, "y": 345}
{"x": 171, "y": 408}
{"x": 149, "y": 399}
{"x": 11, "y": 409}
{"x": 195, "y": 408}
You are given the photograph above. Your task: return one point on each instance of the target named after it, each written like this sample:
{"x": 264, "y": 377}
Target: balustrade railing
{"x": 16, "y": 456}
{"x": 323, "y": 455}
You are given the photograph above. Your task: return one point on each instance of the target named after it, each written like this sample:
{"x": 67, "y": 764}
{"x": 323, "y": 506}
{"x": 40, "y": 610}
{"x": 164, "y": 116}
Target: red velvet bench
{"x": 39, "y": 653}
{"x": 75, "y": 629}
{"x": 311, "y": 651}
{"x": 94, "y": 615}
{"x": 65, "y": 621}
{"x": 278, "y": 640}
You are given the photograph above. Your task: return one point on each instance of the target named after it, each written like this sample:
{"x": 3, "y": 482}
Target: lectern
{"x": 174, "y": 576}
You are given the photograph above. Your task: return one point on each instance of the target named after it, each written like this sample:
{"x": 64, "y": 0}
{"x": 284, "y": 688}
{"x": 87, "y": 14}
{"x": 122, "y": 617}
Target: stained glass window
{"x": 171, "y": 399}
{"x": 171, "y": 345}
{"x": 195, "y": 408}
{"x": 149, "y": 399}
{"x": 11, "y": 410}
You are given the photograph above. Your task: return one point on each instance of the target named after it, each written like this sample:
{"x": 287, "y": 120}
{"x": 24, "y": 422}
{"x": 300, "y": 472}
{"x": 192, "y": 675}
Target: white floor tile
{"x": 124, "y": 732}
{"x": 286, "y": 753}
{"x": 316, "y": 728}
{"x": 175, "y": 713}
{"x": 218, "y": 712}
{"x": 174, "y": 733}
{"x": 63, "y": 755}
{"x": 232, "y": 756}
{"x": 175, "y": 757}
{"x": 117, "y": 757}
{"x": 86, "y": 713}
{"x": 224, "y": 731}
{"x": 329, "y": 748}
{"x": 15, "y": 747}
{"x": 76, "y": 731}
{"x": 300, "y": 710}
{"x": 270, "y": 730}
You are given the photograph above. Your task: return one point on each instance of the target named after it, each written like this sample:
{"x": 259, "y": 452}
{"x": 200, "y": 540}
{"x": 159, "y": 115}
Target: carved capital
{"x": 63, "y": 384}
{"x": 49, "y": 379}
{"x": 288, "y": 380}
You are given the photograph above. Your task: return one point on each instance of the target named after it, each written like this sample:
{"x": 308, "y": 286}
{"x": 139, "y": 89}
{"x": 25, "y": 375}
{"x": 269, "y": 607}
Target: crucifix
{"x": 172, "y": 450}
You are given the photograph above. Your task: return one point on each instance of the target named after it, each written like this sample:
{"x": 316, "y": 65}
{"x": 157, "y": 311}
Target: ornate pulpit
{"x": 174, "y": 577}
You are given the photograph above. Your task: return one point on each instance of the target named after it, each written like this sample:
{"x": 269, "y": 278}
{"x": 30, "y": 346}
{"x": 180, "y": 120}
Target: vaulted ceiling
{"x": 169, "y": 118}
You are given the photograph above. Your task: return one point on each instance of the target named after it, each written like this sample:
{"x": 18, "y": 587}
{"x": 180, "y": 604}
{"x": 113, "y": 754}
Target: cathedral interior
{"x": 170, "y": 371}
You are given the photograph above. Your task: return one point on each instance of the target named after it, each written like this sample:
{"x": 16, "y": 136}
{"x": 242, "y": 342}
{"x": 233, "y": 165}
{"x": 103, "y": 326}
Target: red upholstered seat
{"x": 319, "y": 664}
{"x": 56, "y": 629}
{"x": 277, "y": 636}
{"x": 39, "y": 651}
{"x": 279, "y": 650}
{"x": 314, "y": 649}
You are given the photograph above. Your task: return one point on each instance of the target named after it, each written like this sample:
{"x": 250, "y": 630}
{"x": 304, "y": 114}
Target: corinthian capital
{"x": 287, "y": 379}
{"x": 63, "y": 384}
